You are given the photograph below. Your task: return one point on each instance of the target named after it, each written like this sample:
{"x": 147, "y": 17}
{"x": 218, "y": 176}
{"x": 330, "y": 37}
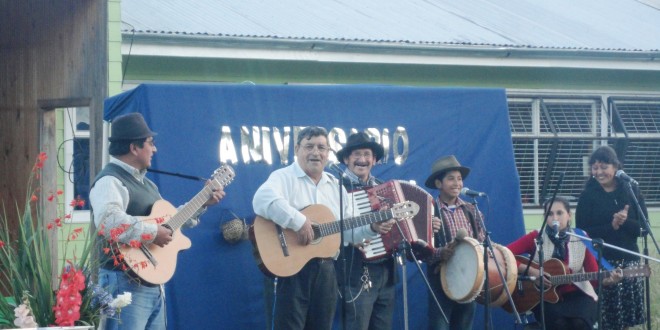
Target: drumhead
{"x": 462, "y": 275}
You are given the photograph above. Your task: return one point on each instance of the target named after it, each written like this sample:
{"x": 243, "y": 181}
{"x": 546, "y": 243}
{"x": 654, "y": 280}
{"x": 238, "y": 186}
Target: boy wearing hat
{"x": 120, "y": 193}
{"x": 370, "y": 299}
{"x": 451, "y": 214}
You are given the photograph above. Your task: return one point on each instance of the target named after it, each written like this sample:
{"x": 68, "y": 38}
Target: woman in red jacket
{"x": 577, "y": 307}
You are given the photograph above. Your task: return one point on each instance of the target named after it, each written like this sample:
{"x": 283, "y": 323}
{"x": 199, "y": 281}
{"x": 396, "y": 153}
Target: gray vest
{"x": 141, "y": 197}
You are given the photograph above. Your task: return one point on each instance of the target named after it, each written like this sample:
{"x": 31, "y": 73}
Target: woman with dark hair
{"x": 606, "y": 211}
{"x": 577, "y": 307}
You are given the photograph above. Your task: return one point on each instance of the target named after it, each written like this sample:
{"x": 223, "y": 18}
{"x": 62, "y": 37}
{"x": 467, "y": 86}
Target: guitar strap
{"x": 590, "y": 247}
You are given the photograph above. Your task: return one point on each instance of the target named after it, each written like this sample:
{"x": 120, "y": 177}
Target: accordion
{"x": 385, "y": 195}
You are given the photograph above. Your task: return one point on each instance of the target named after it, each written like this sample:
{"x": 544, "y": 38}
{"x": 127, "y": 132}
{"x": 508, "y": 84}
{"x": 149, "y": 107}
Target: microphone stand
{"x": 341, "y": 247}
{"x": 178, "y": 175}
{"x": 645, "y": 230}
{"x": 398, "y": 255}
{"x": 488, "y": 251}
{"x": 614, "y": 247}
{"x": 406, "y": 249}
{"x": 598, "y": 244}
{"x": 539, "y": 248}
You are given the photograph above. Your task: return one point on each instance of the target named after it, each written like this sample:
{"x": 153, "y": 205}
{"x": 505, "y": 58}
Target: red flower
{"x": 34, "y": 198}
{"x": 106, "y": 250}
{"x": 41, "y": 159}
{"x": 67, "y": 310}
{"x": 115, "y": 232}
{"x": 101, "y": 231}
{"x": 77, "y": 203}
{"x": 49, "y": 226}
{"x": 146, "y": 237}
{"x": 60, "y": 192}
{"x": 51, "y": 197}
{"x": 2, "y": 244}
{"x": 135, "y": 244}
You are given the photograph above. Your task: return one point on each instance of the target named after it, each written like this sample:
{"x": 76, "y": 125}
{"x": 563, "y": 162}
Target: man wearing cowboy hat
{"x": 120, "y": 193}
{"x": 451, "y": 214}
{"x": 370, "y": 300}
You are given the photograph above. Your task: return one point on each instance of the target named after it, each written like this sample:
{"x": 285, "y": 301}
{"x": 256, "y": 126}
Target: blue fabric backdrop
{"x": 218, "y": 285}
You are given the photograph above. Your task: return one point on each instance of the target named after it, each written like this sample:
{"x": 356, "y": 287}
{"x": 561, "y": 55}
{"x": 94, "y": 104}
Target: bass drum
{"x": 462, "y": 276}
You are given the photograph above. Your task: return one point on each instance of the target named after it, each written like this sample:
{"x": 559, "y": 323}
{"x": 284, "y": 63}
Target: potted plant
{"x": 31, "y": 297}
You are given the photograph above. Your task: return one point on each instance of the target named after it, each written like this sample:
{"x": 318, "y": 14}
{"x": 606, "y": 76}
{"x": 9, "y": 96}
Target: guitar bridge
{"x": 148, "y": 254}
{"x": 282, "y": 239}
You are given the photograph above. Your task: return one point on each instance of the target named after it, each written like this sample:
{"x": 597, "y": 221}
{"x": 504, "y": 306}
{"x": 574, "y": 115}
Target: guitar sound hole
{"x": 317, "y": 234}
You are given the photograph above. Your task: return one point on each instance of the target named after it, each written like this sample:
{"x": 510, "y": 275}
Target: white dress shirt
{"x": 288, "y": 190}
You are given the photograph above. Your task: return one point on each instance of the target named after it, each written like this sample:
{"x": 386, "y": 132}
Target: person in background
{"x": 605, "y": 210}
{"x": 120, "y": 193}
{"x": 371, "y": 289}
{"x": 577, "y": 307}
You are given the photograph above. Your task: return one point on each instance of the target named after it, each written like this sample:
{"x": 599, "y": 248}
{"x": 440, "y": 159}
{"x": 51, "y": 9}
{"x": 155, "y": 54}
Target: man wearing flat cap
{"x": 451, "y": 215}
{"x": 120, "y": 193}
{"x": 370, "y": 299}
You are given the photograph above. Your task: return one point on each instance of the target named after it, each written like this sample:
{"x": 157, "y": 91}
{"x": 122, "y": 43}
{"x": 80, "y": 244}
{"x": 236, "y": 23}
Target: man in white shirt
{"x": 306, "y": 300}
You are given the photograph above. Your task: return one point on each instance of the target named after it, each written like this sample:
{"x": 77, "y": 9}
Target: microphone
{"x": 471, "y": 193}
{"x": 334, "y": 167}
{"x": 625, "y": 177}
{"x": 555, "y": 225}
{"x": 343, "y": 173}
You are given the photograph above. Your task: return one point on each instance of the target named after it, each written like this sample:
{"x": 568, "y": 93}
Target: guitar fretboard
{"x": 581, "y": 277}
{"x": 359, "y": 221}
{"x": 222, "y": 177}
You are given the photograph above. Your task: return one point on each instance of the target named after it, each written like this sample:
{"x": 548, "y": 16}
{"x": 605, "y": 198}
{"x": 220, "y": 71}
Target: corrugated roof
{"x": 626, "y": 25}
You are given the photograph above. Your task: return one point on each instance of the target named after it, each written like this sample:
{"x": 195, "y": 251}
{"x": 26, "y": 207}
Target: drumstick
{"x": 461, "y": 233}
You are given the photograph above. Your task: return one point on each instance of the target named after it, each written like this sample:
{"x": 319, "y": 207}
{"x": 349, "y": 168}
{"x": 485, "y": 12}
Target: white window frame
{"x": 77, "y": 216}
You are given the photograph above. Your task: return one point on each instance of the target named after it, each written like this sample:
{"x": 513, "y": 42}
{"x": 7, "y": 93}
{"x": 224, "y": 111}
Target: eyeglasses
{"x": 321, "y": 148}
{"x": 357, "y": 154}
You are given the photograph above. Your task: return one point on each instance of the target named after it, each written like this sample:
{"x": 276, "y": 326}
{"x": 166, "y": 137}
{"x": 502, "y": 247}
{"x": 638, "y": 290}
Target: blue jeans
{"x": 147, "y": 308}
{"x": 461, "y": 316}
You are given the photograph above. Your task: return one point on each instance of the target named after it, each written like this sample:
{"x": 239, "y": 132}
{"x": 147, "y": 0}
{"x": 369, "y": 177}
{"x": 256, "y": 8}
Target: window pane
{"x": 81, "y": 171}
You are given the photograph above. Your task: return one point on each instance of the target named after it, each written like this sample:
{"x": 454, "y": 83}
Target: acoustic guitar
{"x": 155, "y": 264}
{"x": 527, "y": 298}
{"x": 278, "y": 252}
